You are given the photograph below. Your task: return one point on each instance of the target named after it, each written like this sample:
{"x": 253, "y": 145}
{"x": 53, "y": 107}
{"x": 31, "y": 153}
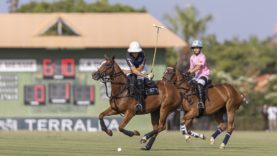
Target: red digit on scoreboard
{"x": 47, "y": 68}
{"x": 68, "y": 67}
{"x": 39, "y": 93}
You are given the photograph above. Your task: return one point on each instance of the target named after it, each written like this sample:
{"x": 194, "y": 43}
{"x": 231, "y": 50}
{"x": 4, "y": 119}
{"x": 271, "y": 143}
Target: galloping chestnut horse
{"x": 159, "y": 106}
{"x": 221, "y": 99}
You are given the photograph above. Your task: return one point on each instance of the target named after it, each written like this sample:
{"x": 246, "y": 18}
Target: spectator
{"x": 272, "y": 117}
{"x": 265, "y": 116}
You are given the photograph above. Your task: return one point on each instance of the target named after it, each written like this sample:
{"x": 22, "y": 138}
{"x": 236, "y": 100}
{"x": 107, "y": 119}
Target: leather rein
{"x": 109, "y": 78}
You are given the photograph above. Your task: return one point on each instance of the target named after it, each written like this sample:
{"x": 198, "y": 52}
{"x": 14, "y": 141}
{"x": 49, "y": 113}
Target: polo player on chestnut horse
{"x": 221, "y": 99}
{"x": 121, "y": 102}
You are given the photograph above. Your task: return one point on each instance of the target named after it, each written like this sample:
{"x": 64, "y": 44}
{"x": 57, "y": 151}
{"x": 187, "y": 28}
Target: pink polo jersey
{"x": 199, "y": 59}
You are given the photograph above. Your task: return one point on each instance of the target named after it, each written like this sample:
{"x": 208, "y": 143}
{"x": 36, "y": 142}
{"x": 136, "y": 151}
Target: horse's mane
{"x": 120, "y": 70}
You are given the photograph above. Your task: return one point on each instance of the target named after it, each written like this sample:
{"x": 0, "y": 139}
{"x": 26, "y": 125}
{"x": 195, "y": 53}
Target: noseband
{"x": 108, "y": 77}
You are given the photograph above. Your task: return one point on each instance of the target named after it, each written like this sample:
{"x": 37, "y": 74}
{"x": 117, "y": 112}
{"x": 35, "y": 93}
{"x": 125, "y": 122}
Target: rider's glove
{"x": 150, "y": 76}
{"x": 187, "y": 74}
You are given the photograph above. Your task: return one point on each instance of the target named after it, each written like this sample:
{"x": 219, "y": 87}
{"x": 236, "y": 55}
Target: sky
{"x": 231, "y": 18}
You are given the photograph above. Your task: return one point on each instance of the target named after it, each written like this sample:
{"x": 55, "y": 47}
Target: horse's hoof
{"x": 136, "y": 133}
{"x": 145, "y": 149}
{"x": 143, "y": 140}
{"x": 202, "y": 136}
{"x": 212, "y": 141}
{"x": 109, "y": 132}
{"x": 187, "y": 138}
{"x": 222, "y": 146}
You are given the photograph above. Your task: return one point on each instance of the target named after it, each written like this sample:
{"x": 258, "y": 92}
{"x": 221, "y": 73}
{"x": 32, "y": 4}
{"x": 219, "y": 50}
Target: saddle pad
{"x": 151, "y": 91}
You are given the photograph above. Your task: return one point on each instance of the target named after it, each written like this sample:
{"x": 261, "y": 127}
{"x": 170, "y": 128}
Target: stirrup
{"x": 139, "y": 108}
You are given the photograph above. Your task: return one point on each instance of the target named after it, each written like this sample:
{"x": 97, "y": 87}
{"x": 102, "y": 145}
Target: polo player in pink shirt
{"x": 199, "y": 67}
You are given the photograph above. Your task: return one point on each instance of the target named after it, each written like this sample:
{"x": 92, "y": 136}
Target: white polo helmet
{"x": 197, "y": 44}
{"x": 134, "y": 47}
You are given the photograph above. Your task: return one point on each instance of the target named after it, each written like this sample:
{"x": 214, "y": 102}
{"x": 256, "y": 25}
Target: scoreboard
{"x": 57, "y": 84}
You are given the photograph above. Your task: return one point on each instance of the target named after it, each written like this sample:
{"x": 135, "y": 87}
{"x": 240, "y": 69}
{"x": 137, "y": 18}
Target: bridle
{"x": 189, "y": 90}
{"x": 169, "y": 77}
{"x": 106, "y": 77}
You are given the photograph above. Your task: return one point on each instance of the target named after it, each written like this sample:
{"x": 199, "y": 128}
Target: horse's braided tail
{"x": 244, "y": 97}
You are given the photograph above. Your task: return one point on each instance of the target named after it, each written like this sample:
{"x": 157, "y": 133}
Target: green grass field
{"x": 99, "y": 144}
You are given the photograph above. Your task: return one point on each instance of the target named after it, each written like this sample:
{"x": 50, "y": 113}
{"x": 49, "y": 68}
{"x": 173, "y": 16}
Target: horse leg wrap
{"x": 194, "y": 134}
{"x": 103, "y": 126}
{"x": 216, "y": 133}
{"x": 150, "y": 134}
{"x": 184, "y": 129}
{"x": 150, "y": 143}
{"x": 227, "y": 137}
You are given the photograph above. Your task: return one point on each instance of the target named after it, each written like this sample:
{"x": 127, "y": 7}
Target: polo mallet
{"x": 157, "y": 36}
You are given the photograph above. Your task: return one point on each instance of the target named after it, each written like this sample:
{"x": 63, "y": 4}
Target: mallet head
{"x": 159, "y": 26}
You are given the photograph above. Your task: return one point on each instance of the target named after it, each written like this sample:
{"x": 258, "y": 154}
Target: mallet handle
{"x": 156, "y": 43}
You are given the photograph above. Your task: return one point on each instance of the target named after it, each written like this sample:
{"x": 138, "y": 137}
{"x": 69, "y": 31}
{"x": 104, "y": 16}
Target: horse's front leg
{"x": 127, "y": 117}
{"x": 155, "y": 123}
{"x": 164, "y": 111}
{"x": 188, "y": 133}
{"x": 187, "y": 119}
{"x": 184, "y": 129}
{"x": 107, "y": 112}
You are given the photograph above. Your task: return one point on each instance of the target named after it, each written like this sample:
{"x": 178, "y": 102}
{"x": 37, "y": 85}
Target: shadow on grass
{"x": 242, "y": 148}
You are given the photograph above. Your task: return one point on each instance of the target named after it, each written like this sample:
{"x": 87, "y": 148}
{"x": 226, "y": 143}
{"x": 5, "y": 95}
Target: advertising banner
{"x": 57, "y": 124}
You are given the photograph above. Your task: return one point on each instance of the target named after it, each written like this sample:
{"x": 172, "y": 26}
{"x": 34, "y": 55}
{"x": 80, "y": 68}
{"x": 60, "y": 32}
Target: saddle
{"x": 209, "y": 84}
{"x": 140, "y": 89}
{"x": 150, "y": 87}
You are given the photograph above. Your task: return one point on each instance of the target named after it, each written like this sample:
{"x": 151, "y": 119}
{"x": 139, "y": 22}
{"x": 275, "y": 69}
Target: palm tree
{"x": 187, "y": 24}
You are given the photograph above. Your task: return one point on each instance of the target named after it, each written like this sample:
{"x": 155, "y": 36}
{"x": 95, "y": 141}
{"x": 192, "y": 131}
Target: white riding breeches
{"x": 203, "y": 80}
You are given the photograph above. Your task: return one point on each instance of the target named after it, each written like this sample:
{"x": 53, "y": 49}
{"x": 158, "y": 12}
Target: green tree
{"x": 76, "y": 6}
{"x": 248, "y": 58}
{"x": 271, "y": 93}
